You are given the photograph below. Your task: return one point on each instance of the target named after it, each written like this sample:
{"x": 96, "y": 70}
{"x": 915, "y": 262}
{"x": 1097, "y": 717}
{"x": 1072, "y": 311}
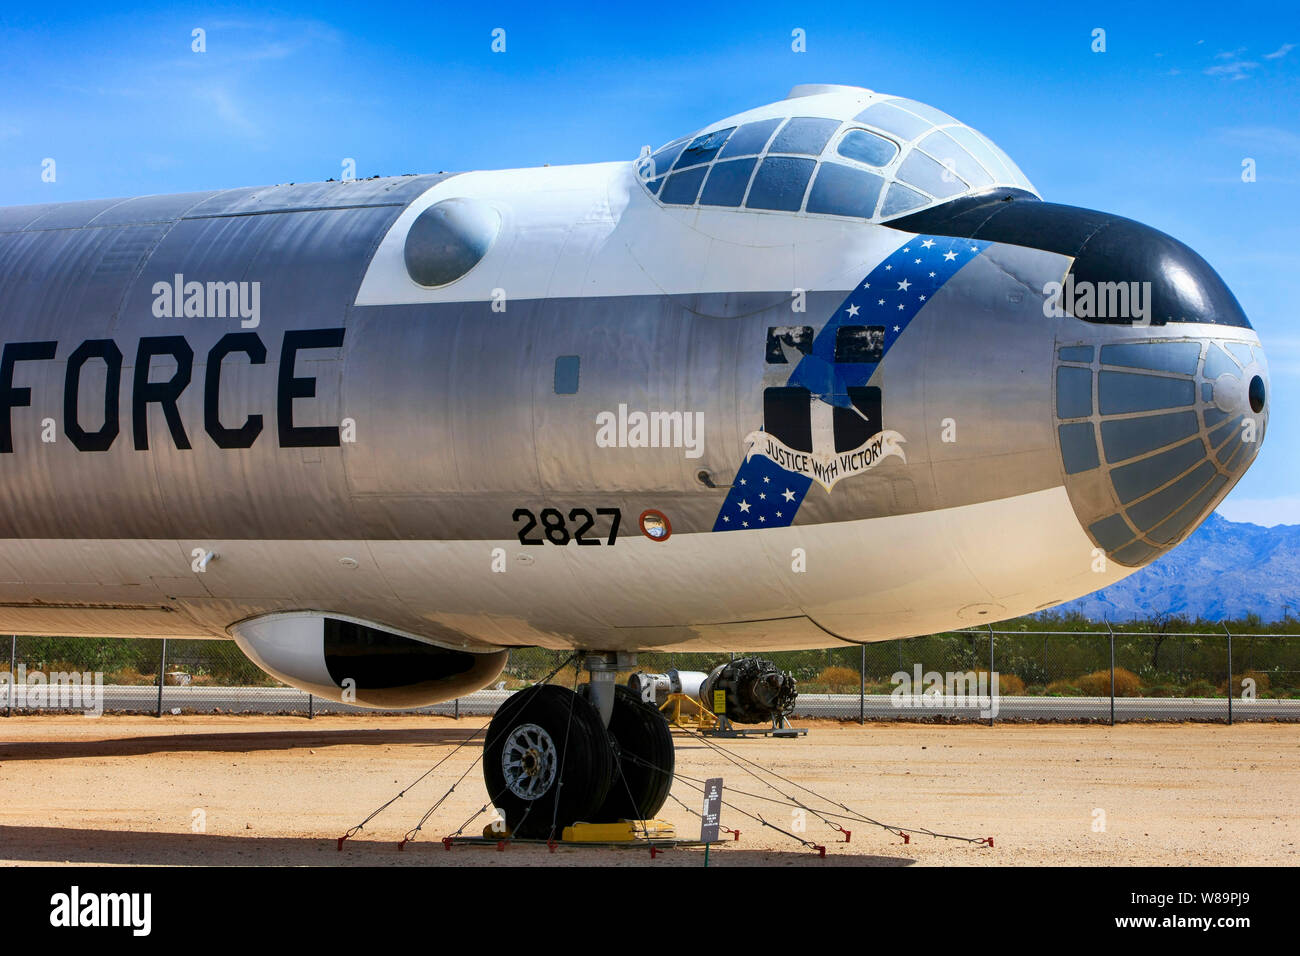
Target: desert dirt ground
{"x": 281, "y": 790}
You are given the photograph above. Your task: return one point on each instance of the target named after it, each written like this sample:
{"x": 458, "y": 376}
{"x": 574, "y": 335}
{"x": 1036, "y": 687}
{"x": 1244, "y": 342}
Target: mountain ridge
{"x": 1224, "y": 570}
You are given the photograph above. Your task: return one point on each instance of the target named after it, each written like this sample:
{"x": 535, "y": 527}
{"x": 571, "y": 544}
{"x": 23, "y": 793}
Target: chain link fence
{"x": 989, "y": 675}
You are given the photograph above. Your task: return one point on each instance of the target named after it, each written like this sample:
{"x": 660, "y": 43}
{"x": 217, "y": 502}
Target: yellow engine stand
{"x": 684, "y": 711}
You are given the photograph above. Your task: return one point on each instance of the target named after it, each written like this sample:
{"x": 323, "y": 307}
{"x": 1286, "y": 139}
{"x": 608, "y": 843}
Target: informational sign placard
{"x": 712, "y": 815}
{"x": 719, "y": 701}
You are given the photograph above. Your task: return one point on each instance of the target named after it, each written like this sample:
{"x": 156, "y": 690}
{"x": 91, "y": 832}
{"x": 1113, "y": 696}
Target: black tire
{"x": 577, "y": 746}
{"x": 641, "y": 737}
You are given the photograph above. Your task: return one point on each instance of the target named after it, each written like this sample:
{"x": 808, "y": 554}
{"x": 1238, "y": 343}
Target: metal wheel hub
{"x": 529, "y": 761}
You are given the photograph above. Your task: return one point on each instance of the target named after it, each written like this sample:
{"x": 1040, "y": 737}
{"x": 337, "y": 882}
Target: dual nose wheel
{"x": 549, "y": 761}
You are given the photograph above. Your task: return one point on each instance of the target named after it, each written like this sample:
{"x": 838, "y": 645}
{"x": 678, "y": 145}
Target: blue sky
{"x": 1155, "y": 128}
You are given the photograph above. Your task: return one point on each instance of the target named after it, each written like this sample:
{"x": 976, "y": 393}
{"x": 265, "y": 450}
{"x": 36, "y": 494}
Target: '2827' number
{"x": 554, "y": 529}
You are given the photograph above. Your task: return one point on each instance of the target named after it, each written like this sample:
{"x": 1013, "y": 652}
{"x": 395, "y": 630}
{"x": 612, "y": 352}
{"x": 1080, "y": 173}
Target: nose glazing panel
{"x": 1153, "y": 434}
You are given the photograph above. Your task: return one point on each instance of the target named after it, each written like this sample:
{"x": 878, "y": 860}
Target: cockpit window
{"x": 943, "y": 148}
{"x": 928, "y": 113}
{"x": 662, "y": 161}
{"x": 682, "y": 187}
{"x": 703, "y": 148}
{"x": 893, "y": 120}
{"x": 930, "y": 175}
{"x": 749, "y": 140}
{"x": 895, "y": 157}
{"x": 900, "y": 199}
{"x": 727, "y": 183}
{"x": 804, "y": 134}
{"x": 867, "y": 148}
{"x": 780, "y": 183}
{"x": 980, "y": 149}
{"x": 841, "y": 190}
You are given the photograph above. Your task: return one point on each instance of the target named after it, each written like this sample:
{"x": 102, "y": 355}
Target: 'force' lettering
{"x": 167, "y": 394}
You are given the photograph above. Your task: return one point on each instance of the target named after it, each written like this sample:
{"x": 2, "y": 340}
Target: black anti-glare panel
{"x": 1106, "y": 249}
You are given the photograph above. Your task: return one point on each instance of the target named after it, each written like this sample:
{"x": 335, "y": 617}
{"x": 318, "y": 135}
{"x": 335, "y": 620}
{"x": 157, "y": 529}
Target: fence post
{"x": 311, "y": 706}
{"x": 1230, "y": 688}
{"x": 162, "y": 675}
{"x": 992, "y": 668}
{"x": 1110, "y": 630}
{"x": 862, "y": 686}
{"x": 13, "y": 677}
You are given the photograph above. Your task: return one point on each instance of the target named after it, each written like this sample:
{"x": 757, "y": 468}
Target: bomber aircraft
{"x": 825, "y": 372}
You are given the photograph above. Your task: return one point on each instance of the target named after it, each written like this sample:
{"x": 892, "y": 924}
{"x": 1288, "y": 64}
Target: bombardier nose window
{"x": 896, "y": 156}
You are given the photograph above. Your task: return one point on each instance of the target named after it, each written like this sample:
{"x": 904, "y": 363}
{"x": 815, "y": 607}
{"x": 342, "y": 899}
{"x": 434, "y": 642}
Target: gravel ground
{"x": 280, "y": 790}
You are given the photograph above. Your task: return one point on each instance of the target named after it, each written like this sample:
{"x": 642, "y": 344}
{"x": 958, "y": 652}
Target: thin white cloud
{"x": 1233, "y": 67}
{"x": 1234, "y": 70}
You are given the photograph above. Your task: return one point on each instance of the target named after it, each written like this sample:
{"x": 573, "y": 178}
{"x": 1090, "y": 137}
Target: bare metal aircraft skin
{"x": 827, "y": 371}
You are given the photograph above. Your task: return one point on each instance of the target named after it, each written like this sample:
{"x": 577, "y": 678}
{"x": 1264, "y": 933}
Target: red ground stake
{"x": 446, "y": 843}
{"x": 820, "y": 849}
{"x": 906, "y": 839}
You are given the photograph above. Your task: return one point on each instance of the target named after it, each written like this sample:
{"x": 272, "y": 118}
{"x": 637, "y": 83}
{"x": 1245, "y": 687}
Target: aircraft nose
{"x": 1155, "y": 427}
{"x": 1160, "y": 390}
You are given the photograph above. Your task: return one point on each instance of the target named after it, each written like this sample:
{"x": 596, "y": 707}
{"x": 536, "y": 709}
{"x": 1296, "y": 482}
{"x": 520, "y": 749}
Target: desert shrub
{"x": 1199, "y": 688}
{"x": 1097, "y": 684}
{"x": 1008, "y": 684}
{"x": 838, "y": 680}
{"x": 1127, "y": 684}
